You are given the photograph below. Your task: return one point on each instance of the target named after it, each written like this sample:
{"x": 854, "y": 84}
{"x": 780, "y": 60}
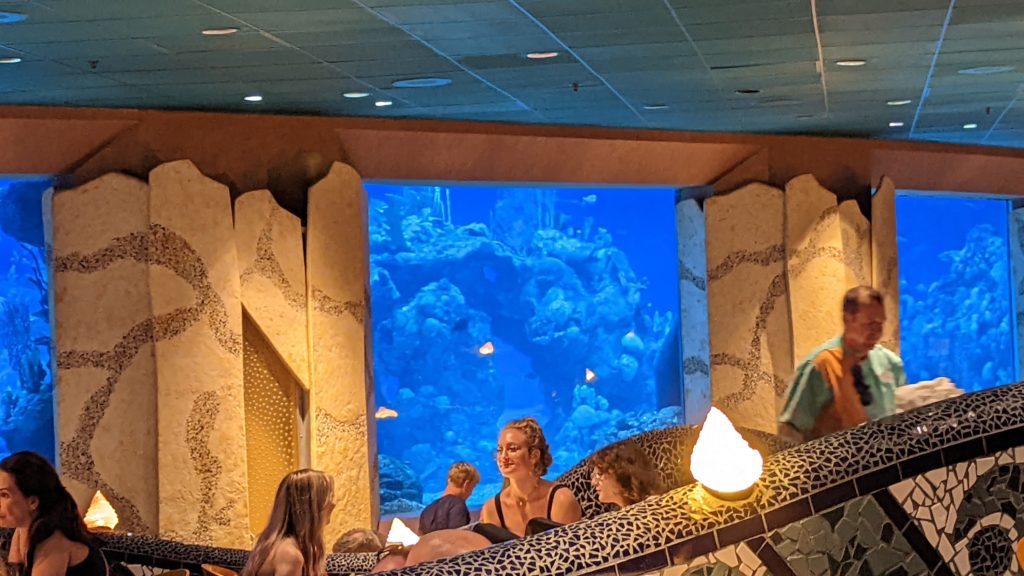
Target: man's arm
{"x": 806, "y": 396}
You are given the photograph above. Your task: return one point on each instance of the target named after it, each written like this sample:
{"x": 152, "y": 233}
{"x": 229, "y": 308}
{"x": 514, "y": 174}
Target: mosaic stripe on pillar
{"x": 885, "y": 268}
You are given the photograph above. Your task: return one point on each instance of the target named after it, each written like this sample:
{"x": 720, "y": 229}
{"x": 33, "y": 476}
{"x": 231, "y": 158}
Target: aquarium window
{"x": 496, "y": 303}
{"x": 26, "y": 383}
{"x": 955, "y": 290}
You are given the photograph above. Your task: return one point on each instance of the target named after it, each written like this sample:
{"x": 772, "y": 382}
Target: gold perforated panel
{"x": 271, "y": 423}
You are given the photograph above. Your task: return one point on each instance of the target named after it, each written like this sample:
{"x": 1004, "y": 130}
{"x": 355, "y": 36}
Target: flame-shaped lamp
{"x": 401, "y": 534}
{"x": 722, "y": 461}
{"x": 100, "y": 515}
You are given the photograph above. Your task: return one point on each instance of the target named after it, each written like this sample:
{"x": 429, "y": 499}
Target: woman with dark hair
{"x": 49, "y": 537}
{"x": 528, "y": 499}
{"x": 292, "y": 544}
{"x": 623, "y": 474}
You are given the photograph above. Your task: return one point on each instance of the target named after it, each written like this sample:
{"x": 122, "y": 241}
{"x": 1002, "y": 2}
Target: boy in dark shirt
{"x": 450, "y": 510}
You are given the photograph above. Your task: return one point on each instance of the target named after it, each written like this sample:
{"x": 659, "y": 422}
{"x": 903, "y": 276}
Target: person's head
{"x": 623, "y": 474}
{"x": 302, "y": 508}
{"x": 863, "y": 319}
{"x": 358, "y": 540}
{"x": 33, "y": 497}
{"x": 462, "y": 479}
{"x": 445, "y": 543}
{"x": 522, "y": 449}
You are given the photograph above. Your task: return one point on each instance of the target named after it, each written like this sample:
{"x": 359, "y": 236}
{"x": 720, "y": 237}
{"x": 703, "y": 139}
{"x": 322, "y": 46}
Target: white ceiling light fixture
{"x": 383, "y": 103}
{"x": 219, "y": 31}
{"x": 970, "y": 126}
{"x": 984, "y": 70}
{"x": 253, "y": 98}
{"x": 356, "y": 94}
{"x": 10, "y": 60}
{"x": 541, "y": 55}
{"x": 655, "y": 106}
{"x": 895, "y": 124}
{"x": 12, "y": 17}
{"x": 898, "y": 102}
{"x": 851, "y": 63}
{"x": 421, "y": 82}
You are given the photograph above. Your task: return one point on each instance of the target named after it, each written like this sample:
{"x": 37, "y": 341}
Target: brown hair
{"x": 358, "y": 540}
{"x": 300, "y": 511}
{"x": 535, "y": 440}
{"x": 463, "y": 473}
{"x": 632, "y": 469}
{"x": 858, "y": 295}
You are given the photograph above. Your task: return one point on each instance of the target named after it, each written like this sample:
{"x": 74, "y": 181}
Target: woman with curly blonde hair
{"x": 623, "y": 474}
{"x": 523, "y": 458}
{"x": 292, "y": 544}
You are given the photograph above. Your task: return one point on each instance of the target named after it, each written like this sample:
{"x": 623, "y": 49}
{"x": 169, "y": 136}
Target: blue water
{"x": 557, "y": 282}
{"x": 26, "y": 385}
{"x": 955, "y": 290}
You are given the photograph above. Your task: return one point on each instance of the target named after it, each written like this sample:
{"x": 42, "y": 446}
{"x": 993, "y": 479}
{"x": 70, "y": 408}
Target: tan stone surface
{"x": 273, "y": 278}
{"x": 748, "y": 312}
{"x": 693, "y": 311}
{"x": 100, "y": 294}
{"x": 202, "y": 450}
{"x": 814, "y": 253}
{"x": 885, "y": 269}
{"x": 341, "y": 399}
{"x": 856, "y": 232}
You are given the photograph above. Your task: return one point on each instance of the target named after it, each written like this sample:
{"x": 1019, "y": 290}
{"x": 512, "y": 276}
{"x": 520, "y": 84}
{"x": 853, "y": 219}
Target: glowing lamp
{"x": 100, "y": 515}
{"x": 486, "y": 349}
{"x": 722, "y": 461}
{"x": 385, "y": 413}
{"x": 401, "y": 534}
{"x": 590, "y": 376}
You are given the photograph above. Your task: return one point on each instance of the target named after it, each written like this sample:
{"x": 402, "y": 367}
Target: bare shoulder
{"x": 564, "y": 507}
{"x": 488, "y": 512}
{"x": 288, "y": 560}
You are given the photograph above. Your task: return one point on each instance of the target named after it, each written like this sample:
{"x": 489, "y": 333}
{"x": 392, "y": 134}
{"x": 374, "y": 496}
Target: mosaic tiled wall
{"x": 693, "y": 311}
{"x": 341, "y": 399}
{"x": 885, "y": 271}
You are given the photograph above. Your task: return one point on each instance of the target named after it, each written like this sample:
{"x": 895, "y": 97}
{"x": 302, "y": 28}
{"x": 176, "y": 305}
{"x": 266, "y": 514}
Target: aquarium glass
{"x": 26, "y": 384}
{"x": 955, "y": 298}
{"x": 495, "y": 303}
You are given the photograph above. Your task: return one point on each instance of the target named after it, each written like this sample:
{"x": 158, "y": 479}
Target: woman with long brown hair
{"x": 292, "y": 544}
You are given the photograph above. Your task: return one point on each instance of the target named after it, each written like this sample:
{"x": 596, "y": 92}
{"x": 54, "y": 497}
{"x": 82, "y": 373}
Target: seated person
{"x": 435, "y": 546}
{"x": 450, "y": 510}
{"x": 292, "y": 544}
{"x": 357, "y": 540}
{"x": 848, "y": 380}
{"x": 623, "y": 474}
{"x": 50, "y": 538}
{"x": 523, "y": 459}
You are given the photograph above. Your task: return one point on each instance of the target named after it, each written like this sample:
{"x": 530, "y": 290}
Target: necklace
{"x": 521, "y": 501}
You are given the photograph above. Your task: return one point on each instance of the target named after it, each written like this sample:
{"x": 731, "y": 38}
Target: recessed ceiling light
{"x": 541, "y": 55}
{"x": 655, "y": 106}
{"x": 851, "y": 63}
{"x": 356, "y": 94}
{"x": 748, "y": 91}
{"x": 898, "y": 102}
{"x": 970, "y": 126}
{"x": 421, "y": 82}
{"x": 11, "y": 17}
{"x": 10, "y": 60}
{"x": 254, "y": 98}
{"x": 895, "y": 124}
{"x": 805, "y": 116}
{"x": 383, "y": 103}
{"x": 981, "y": 70}
{"x": 219, "y": 31}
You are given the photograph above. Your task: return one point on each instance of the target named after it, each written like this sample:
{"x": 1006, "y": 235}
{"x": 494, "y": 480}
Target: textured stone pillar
{"x": 693, "y": 310}
{"x": 104, "y": 385}
{"x": 341, "y": 396}
{"x": 814, "y": 252}
{"x": 196, "y": 301}
{"x": 748, "y": 312}
{"x": 885, "y": 270}
{"x": 272, "y": 260}
{"x": 856, "y": 232}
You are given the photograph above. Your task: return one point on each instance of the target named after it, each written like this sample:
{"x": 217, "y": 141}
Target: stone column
{"x": 341, "y": 397}
{"x": 693, "y": 311}
{"x": 748, "y": 311}
{"x": 885, "y": 269}
{"x": 856, "y": 233}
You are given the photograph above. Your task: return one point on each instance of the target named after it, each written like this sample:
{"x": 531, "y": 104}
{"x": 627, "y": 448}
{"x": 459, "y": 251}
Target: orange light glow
{"x": 486, "y": 349}
{"x": 401, "y": 534}
{"x": 101, "y": 514}
{"x": 385, "y": 413}
{"x": 722, "y": 460}
{"x": 590, "y": 376}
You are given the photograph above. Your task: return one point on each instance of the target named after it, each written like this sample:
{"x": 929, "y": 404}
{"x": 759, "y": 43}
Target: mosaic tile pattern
{"x": 267, "y": 266}
{"x": 971, "y": 512}
{"x": 207, "y": 466}
{"x": 856, "y": 538}
{"x": 737, "y": 560}
{"x": 885, "y": 259}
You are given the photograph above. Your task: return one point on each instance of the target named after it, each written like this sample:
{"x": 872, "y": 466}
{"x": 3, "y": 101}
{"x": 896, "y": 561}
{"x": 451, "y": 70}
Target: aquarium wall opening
{"x": 492, "y": 303}
{"x": 956, "y": 299}
{"x": 26, "y": 383}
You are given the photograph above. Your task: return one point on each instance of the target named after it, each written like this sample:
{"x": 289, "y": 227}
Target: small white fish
{"x": 385, "y": 413}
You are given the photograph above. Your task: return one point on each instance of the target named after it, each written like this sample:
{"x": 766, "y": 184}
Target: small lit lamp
{"x": 486, "y": 349}
{"x": 101, "y": 515}
{"x": 401, "y": 534}
{"x": 722, "y": 461}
